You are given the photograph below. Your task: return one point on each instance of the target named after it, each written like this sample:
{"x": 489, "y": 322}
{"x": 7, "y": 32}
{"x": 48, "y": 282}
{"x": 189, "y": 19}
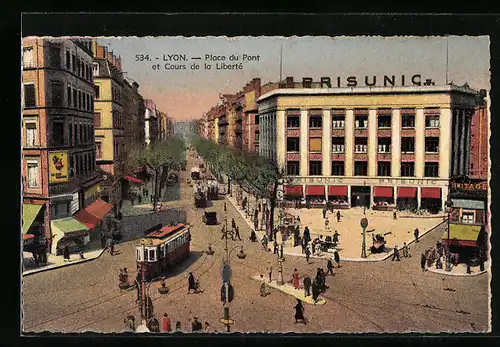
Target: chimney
{"x": 109, "y": 57}
{"x": 118, "y": 63}
{"x": 101, "y": 52}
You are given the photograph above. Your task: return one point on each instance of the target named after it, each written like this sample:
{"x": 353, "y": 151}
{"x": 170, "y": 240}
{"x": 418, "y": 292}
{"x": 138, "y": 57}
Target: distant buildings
{"x": 480, "y": 141}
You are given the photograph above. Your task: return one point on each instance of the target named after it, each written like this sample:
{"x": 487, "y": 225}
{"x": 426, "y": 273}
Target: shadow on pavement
{"x": 185, "y": 264}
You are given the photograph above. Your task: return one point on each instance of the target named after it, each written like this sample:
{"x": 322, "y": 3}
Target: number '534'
{"x": 142, "y": 57}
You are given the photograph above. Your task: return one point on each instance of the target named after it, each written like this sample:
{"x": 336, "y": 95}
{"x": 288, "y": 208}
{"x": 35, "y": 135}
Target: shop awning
{"x": 462, "y": 234}
{"x": 293, "y": 190}
{"x": 315, "y": 190}
{"x": 132, "y": 179}
{"x": 383, "y": 192}
{"x": 30, "y": 211}
{"x": 433, "y": 193}
{"x": 99, "y": 208}
{"x": 337, "y": 190}
{"x": 67, "y": 225}
{"x": 407, "y": 192}
{"x": 87, "y": 218}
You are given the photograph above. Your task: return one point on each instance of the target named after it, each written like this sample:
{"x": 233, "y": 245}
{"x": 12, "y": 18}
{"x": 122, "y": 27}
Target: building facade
{"x": 250, "y": 116}
{"x": 58, "y": 150}
{"x": 365, "y": 146}
{"x": 150, "y": 121}
{"x": 480, "y": 141}
{"x": 109, "y": 121}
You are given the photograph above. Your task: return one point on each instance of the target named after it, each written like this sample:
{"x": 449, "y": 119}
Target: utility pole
{"x": 364, "y": 225}
{"x": 226, "y": 277}
{"x": 143, "y": 287}
{"x": 279, "y": 241}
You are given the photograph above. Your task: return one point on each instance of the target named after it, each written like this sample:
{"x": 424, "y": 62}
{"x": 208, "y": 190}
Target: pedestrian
{"x": 81, "y": 254}
{"x": 253, "y": 236}
{"x": 416, "y": 233}
{"x": 338, "y": 216}
{"x": 329, "y": 266}
{"x": 304, "y": 245}
{"x": 295, "y": 277}
{"x": 394, "y": 215}
{"x": 233, "y": 224}
{"x": 35, "y": 258}
{"x": 270, "y": 272}
{"x": 207, "y": 328}
{"x": 423, "y": 260}
{"x": 66, "y": 253}
{"x": 324, "y": 212}
{"x": 263, "y": 286}
{"x": 307, "y": 235}
{"x": 439, "y": 263}
{"x": 308, "y": 254}
{"x": 265, "y": 242}
{"x": 237, "y": 233}
{"x": 275, "y": 247}
{"x": 154, "y": 325}
{"x": 405, "y": 250}
{"x": 130, "y": 321}
{"x": 196, "y": 325}
{"x": 112, "y": 247}
{"x": 256, "y": 222}
{"x": 395, "y": 256}
{"x": 299, "y": 312}
{"x": 103, "y": 241}
{"x": 307, "y": 285}
{"x": 191, "y": 283}
{"x": 315, "y": 291}
{"x": 178, "y": 326}
{"x": 336, "y": 256}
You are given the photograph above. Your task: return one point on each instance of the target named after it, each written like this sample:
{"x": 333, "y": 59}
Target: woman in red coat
{"x": 295, "y": 279}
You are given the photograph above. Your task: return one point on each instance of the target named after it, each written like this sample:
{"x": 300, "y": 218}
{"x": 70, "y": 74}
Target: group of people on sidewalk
{"x": 166, "y": 326}
{"x": 234, "y": 232}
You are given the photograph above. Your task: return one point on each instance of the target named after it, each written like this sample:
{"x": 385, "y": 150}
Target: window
{"x": 98, "y": 150}
{"x": 60, "y": 210}
{"x": 408, "y": 121}
{"x": 315, "y": 144}
{"x": 84, "y": 100}
{"x": 58, "y": 133}
{"x": 75, "y": 134}
{"x": 68, "y": 95}
{"x": 338, "y": 168}
{"x": 338, "y": 122}
{"x": 256, "y": 136}
{"x": 30, "y": 134}
{"x": 55, "y": 56}
{"x": 152, "y": 254}
{"x": 256, "y": 119}
{"x": 315, "y": 121}
{"x": 146, "y": 258}
{"x": 432, "y": 122}
{"x": 68, "y": 60}
{"x": 338, "y": 144}
{"x": 407, "y": 144}
{"x": 29, "y": 95}
{"x": 75, "y": 98}
{"x": 97, "y": 92}
{"x": 73, "y": 62}
{"x": 384, "y": 121}
{"x": 432, "y": 144}
{"x": 292, "y": 144}
{"x": 468, "y": 217}
{"x": 79, "y": 99}
{"x": 408, "y": 169}
{"x": 91, "y": 103}
{"x": 78, "y": 67}
{"x": 32, "y": 173}
{"x": 80, "y": 165}
{"x": 28, "y": 58}
{"x": 361, "y": 145}
{"x": 361, "y": 122}
{"x": 293, "y": 122}
{"x": 315, "y": 168}
{"x": 293, "y": 168}
{"x": 56, "y": 94}
{"x": 384, "y": 168}
{"x": 360, "y": 168}
{"x": 93, "y": 161}
{"x": 384, "y": 144}
{"x": 162, "y": 250}
{"x": 138, "y": 255}
{"x": 82, "y": 69}
{"x": 80, "y": 134}
{"x": 88, "y": 102}
{"x": 95, "y": 69}
{"x": 431, "y": 169}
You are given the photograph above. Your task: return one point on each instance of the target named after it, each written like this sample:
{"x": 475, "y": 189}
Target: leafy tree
{"x": 255, "y": 174}
{"x": 161, "y": 157}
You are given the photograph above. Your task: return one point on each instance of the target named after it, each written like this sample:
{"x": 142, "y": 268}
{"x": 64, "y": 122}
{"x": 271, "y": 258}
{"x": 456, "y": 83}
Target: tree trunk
{"x": 272, "y": 205}
{"x": 155, "y": 189}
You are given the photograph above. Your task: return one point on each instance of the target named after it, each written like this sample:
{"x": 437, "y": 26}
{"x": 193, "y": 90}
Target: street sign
{"x": 364, "y": 223}
{"x": 226, "y": 321}
{"x": 226, "y": 272}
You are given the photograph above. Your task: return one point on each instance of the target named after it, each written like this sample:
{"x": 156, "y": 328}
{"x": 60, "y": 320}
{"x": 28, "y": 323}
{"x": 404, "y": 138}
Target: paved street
{"x": 362, "y": 297}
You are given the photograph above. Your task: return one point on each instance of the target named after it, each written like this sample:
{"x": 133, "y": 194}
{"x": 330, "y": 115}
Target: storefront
{"x": 69, "y": 232}
{"x": 360, "y": 196}
{"x": 92, "y": 216}
{"x": 293, "y": 193}
{"x": 315, "y": 195}
{"x": 338, "y": 196}
{"x": 32, "y": 226}
{"x": 430, "y": 198}
{"x": 383, "y": 198}
{"x": 407, "y": 198}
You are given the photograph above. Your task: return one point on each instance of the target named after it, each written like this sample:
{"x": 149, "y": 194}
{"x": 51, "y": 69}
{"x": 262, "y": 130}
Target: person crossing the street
{"x": 406, "y": 250}
{"x": 308, "y": 254}
{"x": 307, "y": 285}
{"x": 395, "y": 256}
{"x": 237, "y": 233}
{"x": 329, "y": 266}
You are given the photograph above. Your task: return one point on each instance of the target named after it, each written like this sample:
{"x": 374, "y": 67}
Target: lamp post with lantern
{"x": 364, "y": 225}
{"x": 279, "y": 241}
{"x": 449, "y": 205}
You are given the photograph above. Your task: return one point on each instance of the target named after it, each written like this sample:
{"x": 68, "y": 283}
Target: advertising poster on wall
{"x": 58, "y": 167}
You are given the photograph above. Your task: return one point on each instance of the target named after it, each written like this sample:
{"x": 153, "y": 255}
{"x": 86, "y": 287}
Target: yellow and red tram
{"x": 161, "y": 250}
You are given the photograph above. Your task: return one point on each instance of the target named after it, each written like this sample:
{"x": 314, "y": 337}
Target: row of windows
{"x": 361, "y": 144}
{"x": 361, "y": 169}
{"x": 72, "y": 62}
{"x": 78, "y": 99}
{"x": 78, "y": 134}
{"x": 361, "y": 121}
{"x": 150, "y": 253}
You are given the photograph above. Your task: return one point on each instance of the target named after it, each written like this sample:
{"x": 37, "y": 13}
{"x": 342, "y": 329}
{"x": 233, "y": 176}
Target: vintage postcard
{"x": 255, "y": 184}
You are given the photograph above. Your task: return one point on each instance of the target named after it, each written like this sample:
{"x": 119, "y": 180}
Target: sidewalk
{"x": 57, "y": 261}
{"x": 461, "y": 270}
{"x": 290, "y": 290}
{"x": 145, "y": 207}
{"x": 260, "y": 233}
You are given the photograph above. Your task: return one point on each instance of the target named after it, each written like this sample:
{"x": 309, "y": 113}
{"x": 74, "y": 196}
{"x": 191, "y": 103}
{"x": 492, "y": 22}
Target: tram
{"x": 161, "y": 250}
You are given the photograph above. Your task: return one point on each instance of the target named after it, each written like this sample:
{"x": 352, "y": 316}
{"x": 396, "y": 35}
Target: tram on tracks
{"x": 159, "y": 251}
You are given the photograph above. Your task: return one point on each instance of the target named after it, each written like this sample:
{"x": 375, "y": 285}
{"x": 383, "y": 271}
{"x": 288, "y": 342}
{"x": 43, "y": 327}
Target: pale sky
{"x": 187, "y": 94}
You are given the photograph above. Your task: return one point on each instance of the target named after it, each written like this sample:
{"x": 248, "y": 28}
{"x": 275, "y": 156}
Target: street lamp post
{"x": 364, "y": 225}
{"x": 449, "y": 205}
{"x": 279, "y": 241}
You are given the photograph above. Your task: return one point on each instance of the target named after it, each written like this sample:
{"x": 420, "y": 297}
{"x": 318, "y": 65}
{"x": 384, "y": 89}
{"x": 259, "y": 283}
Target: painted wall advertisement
{"x": 58, "y": 167}
{"x": 75, "y": 203}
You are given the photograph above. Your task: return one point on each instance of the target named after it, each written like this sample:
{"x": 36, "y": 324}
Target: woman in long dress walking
{"x": 295, "y": 277}
{"x": 299, "y": 312}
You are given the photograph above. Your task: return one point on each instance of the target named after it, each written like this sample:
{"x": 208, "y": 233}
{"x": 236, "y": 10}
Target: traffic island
{"x": 461, "y": 270}
{"x": 290, "y": 290}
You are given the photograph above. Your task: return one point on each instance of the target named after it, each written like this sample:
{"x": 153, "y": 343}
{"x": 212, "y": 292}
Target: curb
{"x": 275, "y": 286}
{"x": 443, "y": 272}
{"x": 31, "y": 272}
